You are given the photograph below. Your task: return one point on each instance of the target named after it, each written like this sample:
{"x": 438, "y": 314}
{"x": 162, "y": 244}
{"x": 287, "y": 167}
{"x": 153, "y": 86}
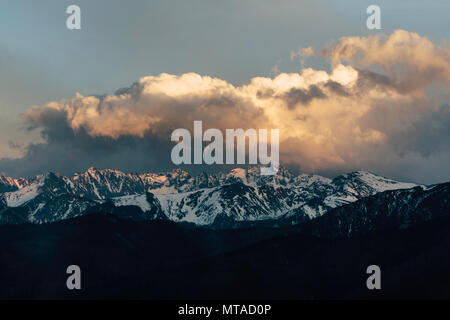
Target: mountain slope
{"x": 221, "y": 200}
{"x": 165, "y": 260}
{"x": 390, "y": 210}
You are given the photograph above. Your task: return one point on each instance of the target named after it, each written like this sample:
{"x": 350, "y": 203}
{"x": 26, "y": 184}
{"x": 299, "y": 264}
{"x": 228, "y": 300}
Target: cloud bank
{"x": 371, "y": 111}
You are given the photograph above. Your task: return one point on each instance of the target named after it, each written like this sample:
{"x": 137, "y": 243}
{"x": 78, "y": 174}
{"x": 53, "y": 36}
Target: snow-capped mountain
{"x": 390, "y": 210}
{"x": 221, "y": 200}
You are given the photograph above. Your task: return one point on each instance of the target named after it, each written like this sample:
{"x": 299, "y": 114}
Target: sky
{"x": 380, "y": 109}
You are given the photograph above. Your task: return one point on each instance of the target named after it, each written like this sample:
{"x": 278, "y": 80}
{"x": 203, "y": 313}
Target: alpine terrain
{"x": 240, "y": 198}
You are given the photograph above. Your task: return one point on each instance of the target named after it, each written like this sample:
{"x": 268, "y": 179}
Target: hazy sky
{"x": 122, "y": 41}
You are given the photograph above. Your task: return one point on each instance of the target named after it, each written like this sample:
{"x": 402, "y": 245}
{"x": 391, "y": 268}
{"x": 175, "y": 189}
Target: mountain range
{"x": 240, "y": 197}
{"x": 233, "y": 235}
{"x": 406, "y": 232}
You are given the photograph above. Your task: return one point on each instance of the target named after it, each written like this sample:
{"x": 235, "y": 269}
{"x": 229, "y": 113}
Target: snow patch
{"x": 22, "y": 196}
{"x": 133, "y": 200}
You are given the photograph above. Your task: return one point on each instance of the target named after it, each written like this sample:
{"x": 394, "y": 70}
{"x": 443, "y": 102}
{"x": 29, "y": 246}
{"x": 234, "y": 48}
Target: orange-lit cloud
{"x": 358, "y": 115}
{"x": 412, "y": 62}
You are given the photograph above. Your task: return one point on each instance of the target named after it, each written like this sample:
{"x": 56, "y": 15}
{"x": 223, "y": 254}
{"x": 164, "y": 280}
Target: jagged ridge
{"x": 216, "y": 200}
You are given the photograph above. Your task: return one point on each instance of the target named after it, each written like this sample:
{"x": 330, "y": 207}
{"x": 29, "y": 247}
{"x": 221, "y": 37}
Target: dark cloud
{"x": 427, "y": 134}
{"x": 336, "y": 88}
{"x": 66, "y": 152}
{"x": 371, "y": 79}
{"x": 264, "y": 94}
{"x": 297, "y": 96}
